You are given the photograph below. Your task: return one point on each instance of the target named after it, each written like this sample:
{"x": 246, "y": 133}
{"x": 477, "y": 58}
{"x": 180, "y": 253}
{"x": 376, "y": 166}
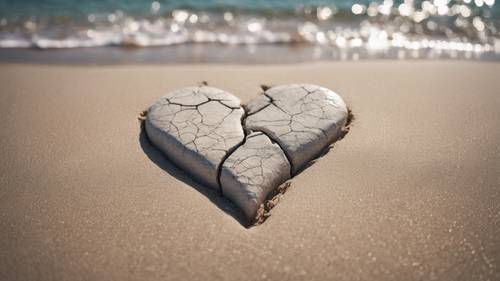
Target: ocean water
{"x": 320, "y": 29}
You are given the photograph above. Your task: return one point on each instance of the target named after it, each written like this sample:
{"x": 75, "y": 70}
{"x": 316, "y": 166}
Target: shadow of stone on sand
{"x": 214, "y": 196}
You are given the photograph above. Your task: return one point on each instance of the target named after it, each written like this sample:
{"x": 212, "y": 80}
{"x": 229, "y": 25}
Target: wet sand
{"x": 411, "y": 193}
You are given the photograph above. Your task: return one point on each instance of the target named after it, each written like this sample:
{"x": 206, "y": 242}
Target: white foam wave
{"x": 187, "y": 27}
{"x": 145, "y": 39}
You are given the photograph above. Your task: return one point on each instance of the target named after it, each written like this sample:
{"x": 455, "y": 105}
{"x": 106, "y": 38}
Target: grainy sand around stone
{"x": 411, "y": 193}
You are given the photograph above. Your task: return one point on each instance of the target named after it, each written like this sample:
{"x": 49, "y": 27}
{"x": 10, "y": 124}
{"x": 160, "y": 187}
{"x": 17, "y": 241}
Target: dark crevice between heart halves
{"x": 271, "y": 199}
{"x": 230, "y": 151}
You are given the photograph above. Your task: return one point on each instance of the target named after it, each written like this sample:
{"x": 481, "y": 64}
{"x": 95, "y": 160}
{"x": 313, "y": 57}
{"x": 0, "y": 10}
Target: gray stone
{"x": 200, "y": 129}
{"x": 302, "y": 118}
{"x": 196, "y": 128}
{"x": 252, "y": 171}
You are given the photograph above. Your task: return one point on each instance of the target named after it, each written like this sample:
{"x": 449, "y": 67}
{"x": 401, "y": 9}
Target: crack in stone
{"x": 252, "y": 171}
{"x": 248, "y": 136}
{"x": 197, "y": 126}
{"x": 288, "y": 157}
{"x": 230, "y": 152}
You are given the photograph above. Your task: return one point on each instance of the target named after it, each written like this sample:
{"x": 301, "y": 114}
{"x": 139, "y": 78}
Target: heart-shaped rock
{"x": 207, "y": 133}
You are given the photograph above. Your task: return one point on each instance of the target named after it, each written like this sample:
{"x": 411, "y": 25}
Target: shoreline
{"x": 208, "y": 53}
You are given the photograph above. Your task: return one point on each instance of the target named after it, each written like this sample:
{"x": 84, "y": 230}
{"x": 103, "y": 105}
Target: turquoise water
{"x": 463, "y": 28}
{"x": 76, "y": 8}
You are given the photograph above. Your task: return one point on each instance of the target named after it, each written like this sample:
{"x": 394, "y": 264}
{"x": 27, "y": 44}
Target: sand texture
{"x": 411, "y": 193}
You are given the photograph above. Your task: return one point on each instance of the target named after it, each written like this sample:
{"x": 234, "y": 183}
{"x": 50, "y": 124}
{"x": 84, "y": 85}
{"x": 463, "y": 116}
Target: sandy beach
{"x": 411, "y": 193}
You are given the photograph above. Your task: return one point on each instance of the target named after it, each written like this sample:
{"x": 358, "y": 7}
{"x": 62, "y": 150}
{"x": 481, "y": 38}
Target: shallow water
{"x": 344, "y": 29}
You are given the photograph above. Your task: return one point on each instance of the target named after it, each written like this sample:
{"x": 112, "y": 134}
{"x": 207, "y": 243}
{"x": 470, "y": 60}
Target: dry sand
{"x": 411, "y": 193}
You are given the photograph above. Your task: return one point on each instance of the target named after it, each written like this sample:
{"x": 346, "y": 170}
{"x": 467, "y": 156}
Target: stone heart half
{"x": 245, "y": 152}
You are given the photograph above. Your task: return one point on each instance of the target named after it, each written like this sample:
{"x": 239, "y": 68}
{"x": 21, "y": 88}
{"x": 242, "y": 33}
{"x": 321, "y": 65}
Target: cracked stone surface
{"x": 253, "y": 171}
{"x": 246, "y": 155}
{"x": 196, "y": 128}
{"x": 302, "y": 118}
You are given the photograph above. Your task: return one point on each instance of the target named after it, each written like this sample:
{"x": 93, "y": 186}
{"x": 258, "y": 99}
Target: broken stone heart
{"x": 245, "y": 152}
